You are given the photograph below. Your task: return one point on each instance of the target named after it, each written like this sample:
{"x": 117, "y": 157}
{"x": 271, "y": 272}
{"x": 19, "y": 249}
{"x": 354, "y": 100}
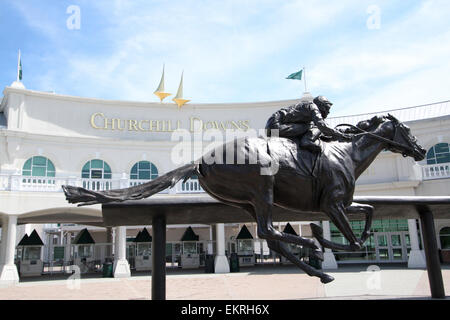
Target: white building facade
{"x": 48, "y": 140}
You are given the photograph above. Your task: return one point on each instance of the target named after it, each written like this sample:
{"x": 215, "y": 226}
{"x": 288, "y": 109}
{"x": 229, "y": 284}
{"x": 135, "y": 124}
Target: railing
{"x": 190, "y": 186}
{"x": 436, "y": 171}
{"x": 100, "y": 184}
{"x": 17, "y": 182}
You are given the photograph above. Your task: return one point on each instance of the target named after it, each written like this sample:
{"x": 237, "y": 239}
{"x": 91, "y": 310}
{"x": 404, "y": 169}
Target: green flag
{"x": 296, "y": 75}
{"x": 20, "y": 69}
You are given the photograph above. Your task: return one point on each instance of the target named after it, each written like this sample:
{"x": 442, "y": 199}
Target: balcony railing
{"x": 436, "y": 171}
{"x": 17, "y": 182}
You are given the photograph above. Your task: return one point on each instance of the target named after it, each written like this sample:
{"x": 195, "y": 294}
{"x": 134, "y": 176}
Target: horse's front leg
{"x": 366, "y": 209}
{"x": 336, "y": 212}
{"x": 282, "y": 249}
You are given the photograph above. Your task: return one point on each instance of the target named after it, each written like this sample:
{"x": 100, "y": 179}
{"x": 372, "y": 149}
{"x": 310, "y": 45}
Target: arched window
{"x": 439, "y": 153}
{"x": 96, "y": 169}
{"x": 444, "y": 236}
{"x": 144, "y": 170}
{"x": 38, "y": 166}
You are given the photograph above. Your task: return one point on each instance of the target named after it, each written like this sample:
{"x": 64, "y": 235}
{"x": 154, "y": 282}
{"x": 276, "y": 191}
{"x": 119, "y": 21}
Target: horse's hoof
{"x": 356, "y": 246}
{"x": 318, "y": 254}
{"x": 316, "y": 230}
{"x": 326, "y": 278}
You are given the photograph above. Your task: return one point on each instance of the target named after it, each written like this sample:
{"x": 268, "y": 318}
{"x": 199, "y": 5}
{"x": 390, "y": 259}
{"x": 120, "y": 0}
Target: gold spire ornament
{"x": 178, "y": 99}
{"x": 160, "y": 90}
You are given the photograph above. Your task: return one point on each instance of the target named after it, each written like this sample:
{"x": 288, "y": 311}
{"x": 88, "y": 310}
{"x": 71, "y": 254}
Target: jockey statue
{"x": 305, "y": 121}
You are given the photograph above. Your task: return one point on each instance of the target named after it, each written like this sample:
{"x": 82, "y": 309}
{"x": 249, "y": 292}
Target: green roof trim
{"x": 143, "y": 236}
{"x": 189, "y": 235}
{"x": 83, "y": 237}
{"x": 244, "y": 233}
{"x": 288, "y": 229}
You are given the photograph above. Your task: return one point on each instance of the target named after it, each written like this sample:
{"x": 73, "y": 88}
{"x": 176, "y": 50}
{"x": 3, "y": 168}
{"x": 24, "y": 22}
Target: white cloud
{"x": 242, "y": 50}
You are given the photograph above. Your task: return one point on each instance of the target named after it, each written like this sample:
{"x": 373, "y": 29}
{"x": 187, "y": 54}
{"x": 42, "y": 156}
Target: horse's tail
{"x": 145, "y": 190}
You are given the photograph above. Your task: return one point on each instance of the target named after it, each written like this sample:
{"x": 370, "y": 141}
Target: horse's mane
{"x": 368, "y": 125}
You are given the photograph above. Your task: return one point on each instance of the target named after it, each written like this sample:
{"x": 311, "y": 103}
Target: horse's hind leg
{"x": 262, "y": 204}
{"x": 282, "y": 249}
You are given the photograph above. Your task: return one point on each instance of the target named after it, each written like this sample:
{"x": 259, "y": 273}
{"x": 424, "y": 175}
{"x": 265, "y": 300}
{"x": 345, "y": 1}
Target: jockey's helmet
{"x": 323, "y": 104}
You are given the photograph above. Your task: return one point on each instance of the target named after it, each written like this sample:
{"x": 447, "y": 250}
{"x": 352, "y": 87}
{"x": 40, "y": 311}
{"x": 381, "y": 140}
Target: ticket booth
{"x": 31, "y": 263}
{"x": 83, "y": 250}
{"x": 245, "y": 250}
{"x": 143, "y": 259}
{"x": 294, "y": 249}
{"x": 190, "y": 257}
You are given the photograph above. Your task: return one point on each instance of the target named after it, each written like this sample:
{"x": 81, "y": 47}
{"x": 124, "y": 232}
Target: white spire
{"x": 178, "y": 99}
{"x": 160, "y": 90}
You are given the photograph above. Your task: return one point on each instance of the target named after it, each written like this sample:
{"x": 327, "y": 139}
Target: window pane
{"x": 39, "y": 161}
{"x": 50, "y": 166}
{"x": 134, "y": 169}
{"x": 154, "y": 169}
{"x": 144, "y": 175}
{"x": 144, "y": 165}
{"x": 87, "y": 167}
{"x": 395, "y": 240}
{"x": 38, "y": 172}
{"x": 107, "y": 176}
{"x": 96, "y": 174}
{"x": 27, "y": 165}
{"x": 97, "y": 164}
{"x": 443, "y": 158}
{"x": 441, "y": 147}
{"x": 106, "y": 168}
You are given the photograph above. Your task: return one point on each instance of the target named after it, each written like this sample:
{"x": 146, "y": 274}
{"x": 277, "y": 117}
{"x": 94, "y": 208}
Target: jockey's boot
{"x": 307, "y": 143}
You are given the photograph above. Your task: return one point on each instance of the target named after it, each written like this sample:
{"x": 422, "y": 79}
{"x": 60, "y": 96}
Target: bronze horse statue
{"x": 303, "y": 181}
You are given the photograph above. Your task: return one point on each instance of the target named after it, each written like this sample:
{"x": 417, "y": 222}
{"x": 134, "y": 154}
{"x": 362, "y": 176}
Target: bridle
{"x": 409, "y": 148}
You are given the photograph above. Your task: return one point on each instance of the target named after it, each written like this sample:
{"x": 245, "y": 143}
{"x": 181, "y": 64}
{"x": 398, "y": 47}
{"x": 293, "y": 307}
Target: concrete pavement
{"x": 255, "y": 283}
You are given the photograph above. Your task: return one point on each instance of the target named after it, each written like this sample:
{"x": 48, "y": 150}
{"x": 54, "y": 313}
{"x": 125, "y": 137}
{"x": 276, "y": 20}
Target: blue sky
{"x": 363, "y": 55}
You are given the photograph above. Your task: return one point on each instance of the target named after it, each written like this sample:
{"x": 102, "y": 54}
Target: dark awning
{"x": 24, "y": 241}
{"x": 244, "y": 234}
{"x": 84, "y": 237}
{"x": 288, "y": 229}
{"x": 143, "y": 236}
{"x": 189, "y": 235}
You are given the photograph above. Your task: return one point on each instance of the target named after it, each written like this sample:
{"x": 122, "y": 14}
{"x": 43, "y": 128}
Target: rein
{"x": 363, "y": 132}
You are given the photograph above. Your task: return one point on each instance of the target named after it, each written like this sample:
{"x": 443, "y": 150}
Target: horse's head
{"x": 404, "y": 142}
{"x": 396, "y": 135}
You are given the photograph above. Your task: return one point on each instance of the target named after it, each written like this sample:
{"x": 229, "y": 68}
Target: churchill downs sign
{"x": 101, "y": 122}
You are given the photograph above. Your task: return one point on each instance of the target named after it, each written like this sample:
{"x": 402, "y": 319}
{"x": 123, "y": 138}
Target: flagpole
{"x": 18, "y": 66}
{"x": 304, "y": 77}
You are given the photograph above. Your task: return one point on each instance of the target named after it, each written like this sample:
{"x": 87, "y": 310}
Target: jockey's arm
{"x": 323, "y": 127}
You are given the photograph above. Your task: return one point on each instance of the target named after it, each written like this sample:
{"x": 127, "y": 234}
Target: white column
{"x": 3, "y": 244}
{"x": 67, "y": 255}
{"x": 220, "y": 262}
{"x": 121, "y": 265}
{"x": 210, "y": 243}
{"x": 416, "y": 256}
{"x": 329, "y": 261}
{"x": 8, "y": 270}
